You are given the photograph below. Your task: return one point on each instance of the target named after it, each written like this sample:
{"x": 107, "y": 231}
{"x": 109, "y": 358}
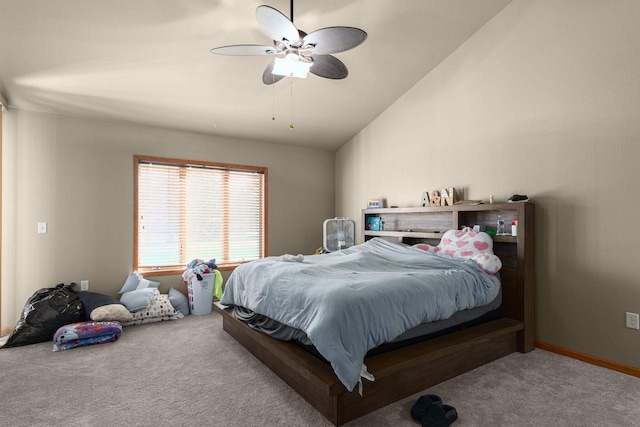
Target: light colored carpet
{"x": 189, "y": 372}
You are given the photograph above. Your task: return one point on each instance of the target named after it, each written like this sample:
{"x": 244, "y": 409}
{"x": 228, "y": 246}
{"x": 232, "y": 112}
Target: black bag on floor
{"x": 44, "y": 313}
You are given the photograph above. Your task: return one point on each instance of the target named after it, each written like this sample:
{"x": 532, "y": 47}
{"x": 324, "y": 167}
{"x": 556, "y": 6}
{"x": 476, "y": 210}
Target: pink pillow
{"x": 467, "y": 244}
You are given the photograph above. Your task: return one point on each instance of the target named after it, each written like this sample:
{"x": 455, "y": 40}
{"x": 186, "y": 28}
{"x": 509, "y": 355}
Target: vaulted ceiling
{"x": 148, "y": 61}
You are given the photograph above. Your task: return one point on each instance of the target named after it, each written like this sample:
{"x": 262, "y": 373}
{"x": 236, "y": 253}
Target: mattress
{"x": 459, "y": 320}
{"x": 354, "y": 300}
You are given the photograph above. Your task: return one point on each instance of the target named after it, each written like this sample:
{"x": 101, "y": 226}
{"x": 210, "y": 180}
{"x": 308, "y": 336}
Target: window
{"x": 190, "y": 209}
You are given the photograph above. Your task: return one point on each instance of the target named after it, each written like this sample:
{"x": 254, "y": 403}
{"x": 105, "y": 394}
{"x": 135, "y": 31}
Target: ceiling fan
{"x": 297, "y": 52}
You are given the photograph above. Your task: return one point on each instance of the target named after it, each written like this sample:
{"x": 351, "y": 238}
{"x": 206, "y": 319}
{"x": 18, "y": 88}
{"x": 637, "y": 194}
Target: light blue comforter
{"x": 353, "y": 300}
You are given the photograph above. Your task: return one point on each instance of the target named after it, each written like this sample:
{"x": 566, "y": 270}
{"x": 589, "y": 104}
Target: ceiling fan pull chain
{"x": 273, "y": 110}
{"x": 291, "y": 113}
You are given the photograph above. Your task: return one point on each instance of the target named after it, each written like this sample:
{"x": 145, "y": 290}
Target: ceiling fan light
{"x": 291, "y": 67}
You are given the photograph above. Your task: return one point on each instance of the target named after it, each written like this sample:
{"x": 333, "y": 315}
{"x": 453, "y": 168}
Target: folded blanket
{"x": 85, "y": 333}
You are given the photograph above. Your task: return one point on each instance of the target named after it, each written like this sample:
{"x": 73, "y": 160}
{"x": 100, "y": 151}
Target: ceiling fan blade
{"x": 329, "y": 67}
{"x": 245, "y": 50}
{"x": 268, "y": 77}
{"x": 276, "y": 25}
{"x": 335, "y": 39}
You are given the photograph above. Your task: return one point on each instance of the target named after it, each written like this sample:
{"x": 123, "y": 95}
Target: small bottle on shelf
{"x": 500, "y": 226}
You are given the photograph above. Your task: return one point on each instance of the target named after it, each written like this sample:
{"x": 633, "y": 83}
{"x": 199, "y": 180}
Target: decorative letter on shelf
{"x": 434, "y": 198}
{"x": 447, "y": 196}
{"x": 443, "y": 197}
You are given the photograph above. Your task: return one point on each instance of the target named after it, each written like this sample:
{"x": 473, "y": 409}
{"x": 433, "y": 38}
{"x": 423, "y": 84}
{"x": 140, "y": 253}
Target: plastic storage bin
{"x": 200, "y": 294}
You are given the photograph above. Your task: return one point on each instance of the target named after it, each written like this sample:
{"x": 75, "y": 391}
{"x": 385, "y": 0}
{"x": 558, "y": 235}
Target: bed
{"x": 404, "y": 371}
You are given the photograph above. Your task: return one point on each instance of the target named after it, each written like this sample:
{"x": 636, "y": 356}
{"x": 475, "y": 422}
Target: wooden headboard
{"x": 427, "y": 224}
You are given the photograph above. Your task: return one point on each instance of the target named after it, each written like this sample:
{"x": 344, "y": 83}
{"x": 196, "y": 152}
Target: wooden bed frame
{"x": 409, "y": 370}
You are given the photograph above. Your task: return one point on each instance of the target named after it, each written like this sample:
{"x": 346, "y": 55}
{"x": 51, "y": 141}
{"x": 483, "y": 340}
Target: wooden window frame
{"x": 173, "y": 270}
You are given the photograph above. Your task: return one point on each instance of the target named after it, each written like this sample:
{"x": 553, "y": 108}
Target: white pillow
{"x": 143, "y": 283}
{"x": 111, "y": 312}
{"x": 136, "y": 281}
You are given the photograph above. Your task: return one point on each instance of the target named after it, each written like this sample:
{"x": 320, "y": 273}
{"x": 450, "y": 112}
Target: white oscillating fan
{"x": 338, "y": 233}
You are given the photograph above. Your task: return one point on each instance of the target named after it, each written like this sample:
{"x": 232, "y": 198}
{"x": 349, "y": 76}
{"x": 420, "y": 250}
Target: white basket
{"x": 200, "y": 294}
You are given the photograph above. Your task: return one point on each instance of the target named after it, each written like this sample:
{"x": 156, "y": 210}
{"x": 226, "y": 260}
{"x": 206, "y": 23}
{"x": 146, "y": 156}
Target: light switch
{"x": 42, "y": 227}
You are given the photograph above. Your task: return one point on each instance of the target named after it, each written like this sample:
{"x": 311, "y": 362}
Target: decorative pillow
{"x": 158, "y": 310}
{"x": 179, "y": 301}
{"x": 138, "y": 299}
{"x": 85, "y": 333}
{"x": 136, "y": 281}
{"x": 93, "y": 300}
{"x": 131, "y": 283}
{"x": 426, "y": 247}
{"x": 467, "y": 244}
{"x": 144, "y": 283}
{"x": 488, "y": 262}
{"x": 111, "y": 312}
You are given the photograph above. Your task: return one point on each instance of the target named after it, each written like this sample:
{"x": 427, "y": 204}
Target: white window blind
{"x": 192, "y": 210}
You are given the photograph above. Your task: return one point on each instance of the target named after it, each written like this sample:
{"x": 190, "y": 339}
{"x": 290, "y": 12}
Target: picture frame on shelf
{"x": 375, "y": 203}
{"x": 373, "y": 223}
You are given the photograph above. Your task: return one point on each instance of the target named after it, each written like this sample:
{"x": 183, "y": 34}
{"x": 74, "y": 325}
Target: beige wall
{"x": 77, "y": 175}
{"x": 544, "y": 100}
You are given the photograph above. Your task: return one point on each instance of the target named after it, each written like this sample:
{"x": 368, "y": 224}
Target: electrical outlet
{"x": 84, "y": 285}
{"x": 633, "y": 321}
{"x": 42, "y": 227}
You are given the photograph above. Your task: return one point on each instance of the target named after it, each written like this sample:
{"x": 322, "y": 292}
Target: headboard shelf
{"x": 427, "y": 225}
{"x": 402, "y": 233}
{"x": 431, "y": 222}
